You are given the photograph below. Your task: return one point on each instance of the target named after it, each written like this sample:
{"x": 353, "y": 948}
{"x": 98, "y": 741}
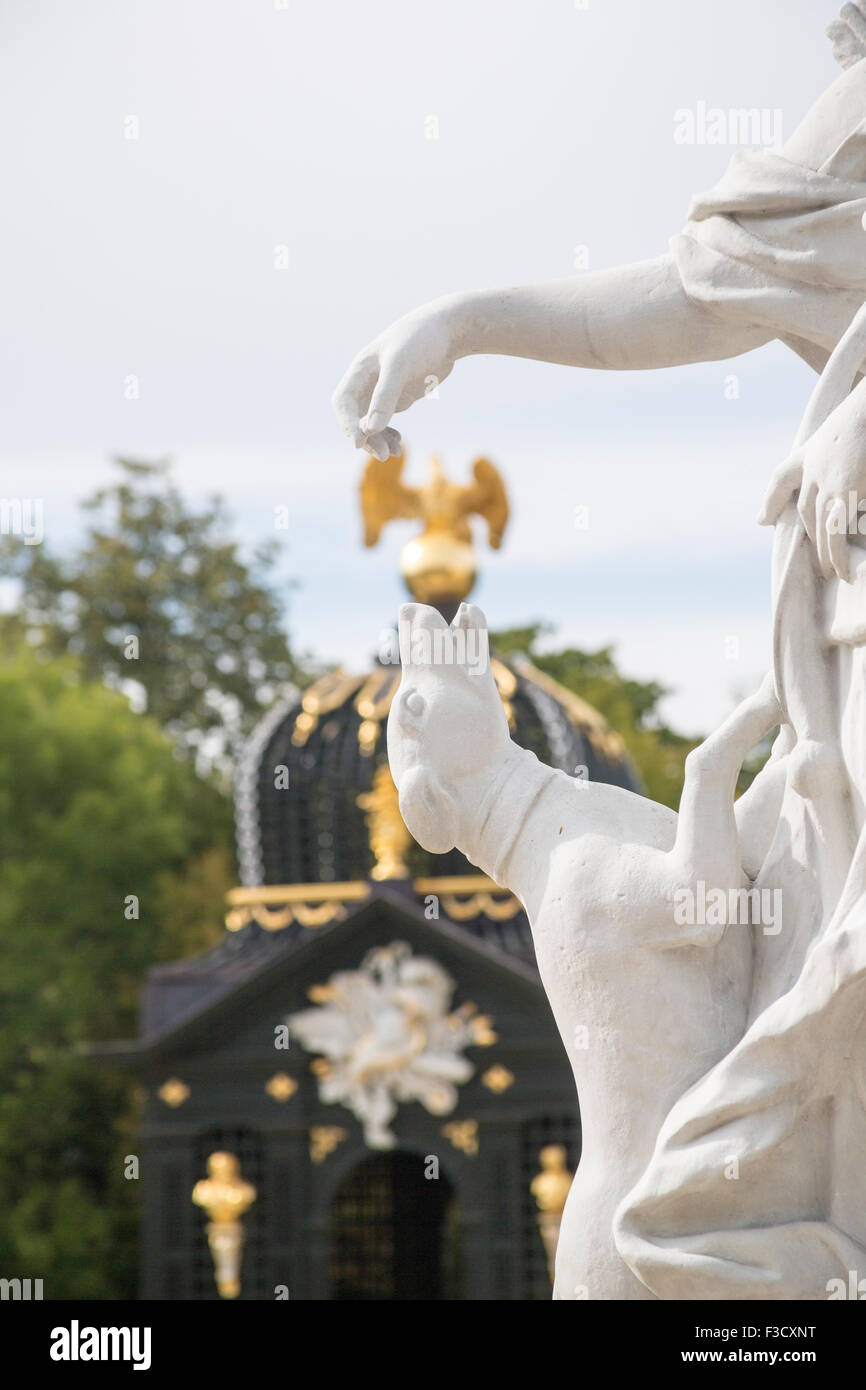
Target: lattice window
{"x": 394, "y": 1233}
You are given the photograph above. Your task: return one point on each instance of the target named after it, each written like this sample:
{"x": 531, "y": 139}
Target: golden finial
{"x": 225, "y": 1196}
{"x": 389, "y": 838}
{"x": 439, "y": 565}
{"x": 550, "y": 1188}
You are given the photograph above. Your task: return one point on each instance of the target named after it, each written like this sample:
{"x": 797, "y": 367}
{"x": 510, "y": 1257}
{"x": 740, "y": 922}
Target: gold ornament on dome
{"x": 329, "y": 693}
{"x": 389, "y": 838}
{"x": 438, "y": 565}
{"x": 372, "y": 704}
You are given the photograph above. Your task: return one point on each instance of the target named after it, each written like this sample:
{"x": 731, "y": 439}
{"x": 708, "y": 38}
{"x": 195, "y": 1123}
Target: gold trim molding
{"x": 464, "y": 897}
{"x": 275, "y": 906}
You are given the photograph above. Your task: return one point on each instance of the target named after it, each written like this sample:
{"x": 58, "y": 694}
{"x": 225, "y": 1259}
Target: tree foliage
{"x": 95, "y": 807}
{"x": 158, "y": 599}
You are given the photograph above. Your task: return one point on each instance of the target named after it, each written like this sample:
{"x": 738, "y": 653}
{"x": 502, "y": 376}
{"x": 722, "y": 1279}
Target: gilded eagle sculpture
{"x": 439, "y": 564}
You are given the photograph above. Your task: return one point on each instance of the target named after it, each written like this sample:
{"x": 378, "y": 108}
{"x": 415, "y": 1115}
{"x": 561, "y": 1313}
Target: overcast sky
{"x": 304, "y": 124}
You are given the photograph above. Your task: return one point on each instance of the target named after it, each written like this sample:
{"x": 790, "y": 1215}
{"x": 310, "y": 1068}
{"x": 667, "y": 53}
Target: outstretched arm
{"x": 624, "y": 319}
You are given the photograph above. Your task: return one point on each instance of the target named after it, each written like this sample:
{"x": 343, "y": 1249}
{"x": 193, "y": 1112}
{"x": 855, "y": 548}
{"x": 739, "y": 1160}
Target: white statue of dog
{"x": 645, "y": 1002}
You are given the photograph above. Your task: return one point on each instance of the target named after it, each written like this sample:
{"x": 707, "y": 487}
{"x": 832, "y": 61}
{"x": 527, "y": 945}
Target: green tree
{"x": 630, "y": 707}
{"x": 99, "y": 819}
{"x": 158, "y": 600}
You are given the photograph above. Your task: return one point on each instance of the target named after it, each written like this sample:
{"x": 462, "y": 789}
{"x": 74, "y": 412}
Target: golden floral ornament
{"x": 480, "y": 1025}
{"x": 281, "y": 1086}
{"x": 463, "y": 1134}
{"x": 324, "y": 1139}
{"x": 498, "y": 1079}
{"x": 385, "y": 1034}
{"x": 173, "y": 1092}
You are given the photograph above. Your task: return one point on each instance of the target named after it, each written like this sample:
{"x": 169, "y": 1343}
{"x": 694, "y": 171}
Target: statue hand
{"x": 828, "y": 470}
{"x": 397, "y": 368}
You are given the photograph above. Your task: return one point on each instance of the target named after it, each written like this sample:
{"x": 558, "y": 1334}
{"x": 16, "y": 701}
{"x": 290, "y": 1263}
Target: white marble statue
{"x": 722, "y": 1066}
{"x": 600, "y": 872}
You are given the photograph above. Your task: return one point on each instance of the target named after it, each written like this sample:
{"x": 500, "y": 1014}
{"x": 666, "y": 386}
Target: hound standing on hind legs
{"x": 644, "y": 1006}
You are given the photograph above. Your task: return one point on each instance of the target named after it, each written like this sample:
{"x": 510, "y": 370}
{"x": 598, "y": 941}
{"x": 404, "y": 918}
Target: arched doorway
{"x": 394, "y": 1232}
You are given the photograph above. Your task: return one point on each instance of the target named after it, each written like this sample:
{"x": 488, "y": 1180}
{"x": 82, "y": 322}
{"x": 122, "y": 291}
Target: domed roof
{"x": 315, "y": 802}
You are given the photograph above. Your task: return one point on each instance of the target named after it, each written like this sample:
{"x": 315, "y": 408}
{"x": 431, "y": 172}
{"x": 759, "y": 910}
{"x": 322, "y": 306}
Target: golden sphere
{"x": 438, "y": 566}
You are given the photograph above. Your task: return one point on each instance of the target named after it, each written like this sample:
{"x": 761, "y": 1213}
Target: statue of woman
{"x": 755, "y": 1189}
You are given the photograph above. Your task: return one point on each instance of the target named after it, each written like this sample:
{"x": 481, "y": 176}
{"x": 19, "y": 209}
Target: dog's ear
{"x": 470, "y": 618}
{"x": 416, "y": 618}
{"x": 471, "y": 624}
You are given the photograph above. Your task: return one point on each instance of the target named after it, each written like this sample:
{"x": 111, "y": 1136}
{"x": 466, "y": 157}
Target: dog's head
{"x": 446, "y": 722}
